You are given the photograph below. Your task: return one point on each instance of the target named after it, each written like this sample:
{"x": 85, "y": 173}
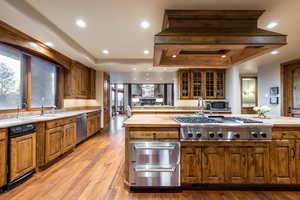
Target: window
{"x": 249, "y": 92}
{"x": 15, "y": 67}
{"x": 44, "y": 77}
{"x": 11, "y": 79}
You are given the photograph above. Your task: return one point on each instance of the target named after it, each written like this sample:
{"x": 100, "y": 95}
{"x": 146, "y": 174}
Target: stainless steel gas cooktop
{"x": 221, "y": 128}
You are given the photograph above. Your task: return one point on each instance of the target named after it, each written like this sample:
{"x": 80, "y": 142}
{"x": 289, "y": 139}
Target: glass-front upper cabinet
{"x": 184, "y": 81}
{"x": 197, "y": 84}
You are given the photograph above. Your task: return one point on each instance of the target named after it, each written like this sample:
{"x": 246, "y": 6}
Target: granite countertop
{"x": 166, "y": 120}
{"x": 175, "y": 110}
{"x": 5, "y": 123}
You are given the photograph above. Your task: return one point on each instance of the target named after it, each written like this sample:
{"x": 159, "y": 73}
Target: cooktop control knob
{"x": 254, "y": 134}
{"x": 220, "y": 134}
{"x": 198, "y": 134}
{"x": 236, "y": 135}
{"x": 190, "y": 135}
{"x": 211, "y": 134}
{"x": 263, "y": 134}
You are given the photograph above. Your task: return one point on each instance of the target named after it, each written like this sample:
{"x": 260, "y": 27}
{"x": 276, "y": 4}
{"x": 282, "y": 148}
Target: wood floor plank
{"x": 94, "y": 171}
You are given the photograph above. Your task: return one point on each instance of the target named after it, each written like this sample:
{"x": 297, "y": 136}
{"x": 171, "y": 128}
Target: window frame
{"x": 27, "y": 81}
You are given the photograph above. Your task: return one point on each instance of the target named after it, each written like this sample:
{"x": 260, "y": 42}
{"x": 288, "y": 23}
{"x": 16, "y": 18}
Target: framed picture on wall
{"x": 274, "y": 100}
{"x": 274, "y": 91}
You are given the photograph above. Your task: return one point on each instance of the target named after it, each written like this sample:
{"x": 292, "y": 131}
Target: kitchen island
{"x": 264, "y": 162}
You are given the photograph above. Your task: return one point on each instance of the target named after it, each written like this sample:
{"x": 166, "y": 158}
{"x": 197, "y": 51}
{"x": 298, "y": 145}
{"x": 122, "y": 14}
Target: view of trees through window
{"x": 10, "y": 79}
{"x": 13, "y": 70}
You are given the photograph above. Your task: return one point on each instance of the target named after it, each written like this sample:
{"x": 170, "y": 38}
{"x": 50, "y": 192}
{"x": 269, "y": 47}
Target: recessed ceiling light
{"x": 272, "y": 25}
{"x": 105, "y": 51}
{"x": 146, "y": 52}
{"x": 174, "y": 56}
{"x": 165, "y": 69}
{"x": 49, "y": 44}
{"x": 80, "y": 23}
{"x": 145, "y": 24}
{"x": 223, "y": 56}
{"x": 274, "y": 52}
{"x": 32, "y": 44}
{"x": 134, "y": 68}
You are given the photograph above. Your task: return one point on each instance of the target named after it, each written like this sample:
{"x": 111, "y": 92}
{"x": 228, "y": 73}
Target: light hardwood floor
{"x": 94, "y": 172}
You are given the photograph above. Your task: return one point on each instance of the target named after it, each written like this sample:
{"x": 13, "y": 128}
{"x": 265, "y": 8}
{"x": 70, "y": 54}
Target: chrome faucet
{"x": 42, "y": 111}
{"x": 200, "y": 106}
{"x": 18, "y": 113}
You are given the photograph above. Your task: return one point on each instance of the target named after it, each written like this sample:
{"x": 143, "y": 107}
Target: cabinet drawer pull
{"x": 171, "y": 169}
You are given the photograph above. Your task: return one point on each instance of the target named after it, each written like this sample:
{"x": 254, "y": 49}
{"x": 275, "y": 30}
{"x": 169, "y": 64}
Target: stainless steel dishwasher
{"x": 154, "y": 164}
{"x": 81, "y": 127}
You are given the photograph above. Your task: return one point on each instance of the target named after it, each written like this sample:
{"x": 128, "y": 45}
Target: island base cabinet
{"x": 213, "y": 164}
{"x": 53, "y": 143}
{"x": 22, "y": 155}
{"x": 190, "y": 168}
{"x": 283, "y": 162}
{"x": 236, "y": 165}
{"x": 258, "y": 165}
{"x": 3, "y": 157}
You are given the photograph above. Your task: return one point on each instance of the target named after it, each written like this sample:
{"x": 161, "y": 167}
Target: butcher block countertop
{"x": 166, "y": 120}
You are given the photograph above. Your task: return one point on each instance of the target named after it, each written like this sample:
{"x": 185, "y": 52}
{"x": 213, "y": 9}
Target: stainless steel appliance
{"x": 21, "y": 154}
{"x": 220, "y": 128}
{"x": 154, "y": 164}
{"x": 220, "y": 105}
{"x": 81, "y": 125}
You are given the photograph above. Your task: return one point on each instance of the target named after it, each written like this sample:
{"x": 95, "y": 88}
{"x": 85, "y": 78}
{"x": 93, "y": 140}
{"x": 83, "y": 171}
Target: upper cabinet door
{"x": 220, "y": 84}
{"x": 184, "y": 82}
{"x": 197, "y": 84}
{"x": 210, "y": 83}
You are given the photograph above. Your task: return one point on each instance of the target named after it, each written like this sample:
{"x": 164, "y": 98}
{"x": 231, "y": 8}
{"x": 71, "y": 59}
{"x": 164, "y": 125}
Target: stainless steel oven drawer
{"x": 154, "y": 175}
{"x": 154, "y": 153}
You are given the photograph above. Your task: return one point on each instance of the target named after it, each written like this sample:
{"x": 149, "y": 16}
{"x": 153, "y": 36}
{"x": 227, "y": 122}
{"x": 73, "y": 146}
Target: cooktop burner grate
{"x": 193, "y": 120}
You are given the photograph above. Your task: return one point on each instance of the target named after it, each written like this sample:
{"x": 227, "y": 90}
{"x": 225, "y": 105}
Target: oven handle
{"x": 171, "y": 169}
{"x": 171, "y": 147}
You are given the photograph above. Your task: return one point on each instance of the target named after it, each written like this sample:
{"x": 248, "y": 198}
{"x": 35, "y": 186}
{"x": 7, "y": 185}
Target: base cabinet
{"x": 93, "y": 123}
{"x": 22, "y": 155}
{"x": 53, "y": 143}
{"x": 69, "y": 137}
{"x": 3, "y": 157}
{"x": 190, "y": 168}
{"x": 236, "y": 165}
{"x": 283, "y": 162}
{"x": 213, "y": 164}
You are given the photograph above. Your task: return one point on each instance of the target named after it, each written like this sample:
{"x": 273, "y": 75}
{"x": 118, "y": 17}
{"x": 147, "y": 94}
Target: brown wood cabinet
{"x": 80, "y": 82}
{"x": 213, "y": 165}
{"x": 22, "y": 155}
{"x": 236, "y": 165}
{"x": 3, "y": 156}
{"x": 205, "y": 83}
{"x": 191, "y": 170}
{"x": 60, "y": 138}
{"x": 93, "y": 123}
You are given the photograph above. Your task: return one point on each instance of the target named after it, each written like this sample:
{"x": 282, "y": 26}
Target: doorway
{"x": 248, "y": 94}
{"x": 291, "y": 88}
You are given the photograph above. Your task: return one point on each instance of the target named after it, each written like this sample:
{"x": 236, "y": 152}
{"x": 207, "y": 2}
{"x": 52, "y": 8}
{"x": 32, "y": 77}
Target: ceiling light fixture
{"x": 174, "y": 56}
{"x": 49, "y": 44}
{"x": 32, "y": 44}
{"x": 165, "y": 69}
{"x": 272, "y": 25}
{"x": 274, "y": 52}
{"x": 223, "y": 56}
{"x": 134, "y": 68}
{"x": 145, "y": 24}
{"x": 146, "y": 52}
{"x": 105, "y": 51}
{"x": 81, "y": 23}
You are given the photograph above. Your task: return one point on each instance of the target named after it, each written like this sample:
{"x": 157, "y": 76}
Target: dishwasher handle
{"x": 140, "y": 147}
{"x": 158, "y": 169}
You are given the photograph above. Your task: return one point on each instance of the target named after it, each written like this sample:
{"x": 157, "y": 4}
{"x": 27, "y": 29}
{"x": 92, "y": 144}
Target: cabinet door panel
{"x": 283, "y": 162}
{"x": 3, "y": 157}
{"x": 22, "y": 155}
{"x": 258, "y": 165}
{"x": 184, "y": 77}
{"x": 213, "y": 164}
{"x": 191, "y": 165}
{"x": 236, "y": 165}
{"x": 298, "y": 161}
{"x": 69, "y": 138}
{"x": 197, "y": 84}
{"x": 53, "y": 143}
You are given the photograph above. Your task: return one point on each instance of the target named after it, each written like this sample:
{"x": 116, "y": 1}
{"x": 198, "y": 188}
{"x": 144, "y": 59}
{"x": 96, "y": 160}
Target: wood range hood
{"x": 218, "y": 38}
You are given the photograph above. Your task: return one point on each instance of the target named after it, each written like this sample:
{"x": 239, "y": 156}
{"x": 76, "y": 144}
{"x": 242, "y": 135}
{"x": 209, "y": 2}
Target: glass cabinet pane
{"x": 220, "y": 84}
{"x": 185, "y": 78}
{"x": 210, "y": 80}
{"x": 197, "y": 84}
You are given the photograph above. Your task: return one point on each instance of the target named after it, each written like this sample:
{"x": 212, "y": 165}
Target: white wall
{"x": 233, "y": 90}
{"x": 269, "y": 76}
{"x": 142, "y": 77}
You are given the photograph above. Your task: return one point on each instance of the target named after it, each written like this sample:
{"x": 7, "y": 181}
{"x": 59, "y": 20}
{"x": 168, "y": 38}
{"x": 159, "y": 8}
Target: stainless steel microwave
{"x": 217, "y": 105}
